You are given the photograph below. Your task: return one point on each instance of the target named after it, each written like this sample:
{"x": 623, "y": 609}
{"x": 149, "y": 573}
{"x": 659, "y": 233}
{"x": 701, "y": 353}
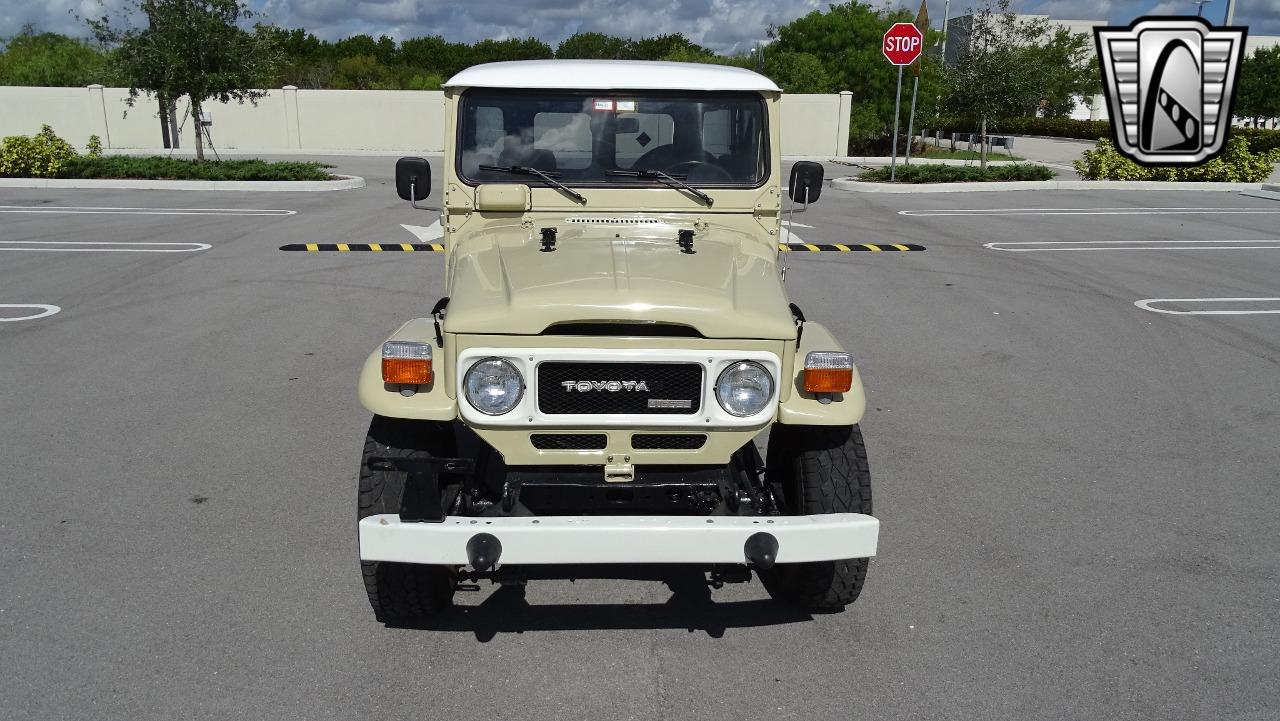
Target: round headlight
{"x": 493, "y": 386}
{"x": 744, "y": 389}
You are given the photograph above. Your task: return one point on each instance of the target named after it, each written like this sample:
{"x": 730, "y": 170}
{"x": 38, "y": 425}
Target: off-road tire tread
{"x": 401, "y": 592}
{"x": 828, "y": 466}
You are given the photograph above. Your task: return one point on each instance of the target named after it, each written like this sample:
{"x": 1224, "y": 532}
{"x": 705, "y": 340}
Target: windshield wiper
{"x": 546, "y": 177}
{"x": 673, "y": 181}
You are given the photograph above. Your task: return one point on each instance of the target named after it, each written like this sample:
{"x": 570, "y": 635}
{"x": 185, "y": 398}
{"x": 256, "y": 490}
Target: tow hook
{"x": 761, "y": 550}
{"x": 623, "y": 472}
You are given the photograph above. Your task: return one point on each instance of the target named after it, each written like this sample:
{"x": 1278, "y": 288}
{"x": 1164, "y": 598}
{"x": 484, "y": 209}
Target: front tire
{"x": 402, "y": 593}
{"x": 821, "y": 469}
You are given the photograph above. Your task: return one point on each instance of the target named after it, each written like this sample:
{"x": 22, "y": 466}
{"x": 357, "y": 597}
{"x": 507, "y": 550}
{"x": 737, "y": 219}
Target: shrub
{"x": 162, "y": 168}
{"x": 1053, "y": 127}
{"x": 1236, "y": 165}
{"x": 94, "y": 146}
{"x": 39, "y": 156}
{"x": 961, "y": 173}
{"x": 1259, "y": 139}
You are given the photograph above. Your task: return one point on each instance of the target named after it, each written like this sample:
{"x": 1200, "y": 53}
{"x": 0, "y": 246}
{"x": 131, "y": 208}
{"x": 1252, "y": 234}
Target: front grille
{"x": 672, "y": 388}
{"x": 569, "y": 441}
{"x": 607, "y": 220}
{"x": 668, "y": 441}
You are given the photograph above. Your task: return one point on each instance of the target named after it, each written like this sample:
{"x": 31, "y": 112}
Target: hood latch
{"x": 686, "y": 241}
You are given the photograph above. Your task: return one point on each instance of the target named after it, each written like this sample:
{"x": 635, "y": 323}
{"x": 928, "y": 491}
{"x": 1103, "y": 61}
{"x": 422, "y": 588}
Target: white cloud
{"x": 723, "y": 25}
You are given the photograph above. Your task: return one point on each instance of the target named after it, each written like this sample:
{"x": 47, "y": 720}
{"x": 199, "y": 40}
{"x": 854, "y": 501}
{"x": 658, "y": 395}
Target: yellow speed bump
{"x": 364, "y": 247}
{"x": 846, "y": 248}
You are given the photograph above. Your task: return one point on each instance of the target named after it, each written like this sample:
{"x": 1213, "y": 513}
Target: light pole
{"x": 1231, "y": 12}
{"x": 1200, "y": 6}
{"x": 946, "y": 15}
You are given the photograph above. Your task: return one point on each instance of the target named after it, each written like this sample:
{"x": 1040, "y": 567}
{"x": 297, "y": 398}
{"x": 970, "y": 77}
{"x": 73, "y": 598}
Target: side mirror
{"x": 626, "y": 125}
{"x": 806, "y": 182}
{"x": 413, "y": 179}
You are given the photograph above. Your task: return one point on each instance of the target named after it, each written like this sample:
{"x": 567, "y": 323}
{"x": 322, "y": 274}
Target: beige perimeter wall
{"x": 295, "y": 120}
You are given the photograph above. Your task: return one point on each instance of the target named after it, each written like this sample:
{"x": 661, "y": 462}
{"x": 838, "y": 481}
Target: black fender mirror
{"x": 806, "y": 182}
{"x": 413, "y": 179}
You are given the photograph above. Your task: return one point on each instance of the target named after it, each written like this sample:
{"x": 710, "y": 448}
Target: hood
{"x": 728, "y": 288}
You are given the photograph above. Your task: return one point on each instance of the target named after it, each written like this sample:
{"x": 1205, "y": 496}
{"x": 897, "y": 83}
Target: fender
{"x": 804, "y": 409}
{"x": 430, "y": 403}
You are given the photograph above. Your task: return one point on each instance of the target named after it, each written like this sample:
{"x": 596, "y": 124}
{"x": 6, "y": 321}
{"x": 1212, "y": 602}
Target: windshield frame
{"x": 766, "y": 155}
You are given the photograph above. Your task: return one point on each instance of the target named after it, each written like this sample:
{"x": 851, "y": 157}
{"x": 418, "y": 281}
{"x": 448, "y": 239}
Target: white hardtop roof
{"x": 610, "y": 75}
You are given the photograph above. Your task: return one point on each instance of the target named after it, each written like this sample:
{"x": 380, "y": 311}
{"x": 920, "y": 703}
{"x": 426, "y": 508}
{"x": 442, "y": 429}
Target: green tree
{"x": 997, "y": 73}
{"x": 383, "y": 49}
{"x": 846, "y": 39}
{"x": 593, "y": 46}
{"x": 190, "y": 47}
{"x": 435, "y": 54}
{"x": 661, "y": 46}
{"x": 1067, "y": 69}
{"x": 1258, "y": 92}
{"x": 493, "y": 51}
{"x": 797, "y": 72}
{"x": 359, "y": 72}
{"x": 51, "y": 60}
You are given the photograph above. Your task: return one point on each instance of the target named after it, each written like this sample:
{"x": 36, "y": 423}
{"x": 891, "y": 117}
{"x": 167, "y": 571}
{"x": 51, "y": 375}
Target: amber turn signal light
{"x": 406, "y": 363}
{"x": 828, "y": 372}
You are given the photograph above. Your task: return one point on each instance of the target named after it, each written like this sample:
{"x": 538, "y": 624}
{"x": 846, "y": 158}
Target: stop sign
{"x": 902, "y": 43}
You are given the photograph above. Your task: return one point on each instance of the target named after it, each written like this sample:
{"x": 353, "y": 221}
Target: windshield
{"x": 709, "y": 139}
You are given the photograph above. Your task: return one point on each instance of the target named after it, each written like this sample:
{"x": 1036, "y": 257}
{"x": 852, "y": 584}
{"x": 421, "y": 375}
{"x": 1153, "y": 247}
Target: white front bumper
{"x": 619, "y": 539}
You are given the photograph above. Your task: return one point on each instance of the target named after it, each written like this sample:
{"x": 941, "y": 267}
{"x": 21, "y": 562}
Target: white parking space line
{"x": 1146, "y": 304}
{"x": 1086, "y": 211}
{"x": 80, "y": 210}
{"x": 1034, "y": 246}
{"x": 100, "y": 246}
{"x": 426, "y": 233}
{"x": 44, "y": 311}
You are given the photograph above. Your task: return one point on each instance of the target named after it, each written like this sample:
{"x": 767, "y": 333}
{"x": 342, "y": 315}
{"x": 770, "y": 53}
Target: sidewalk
{"x": 1051, "y": 151}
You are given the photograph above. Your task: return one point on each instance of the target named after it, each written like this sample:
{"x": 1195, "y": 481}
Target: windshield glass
{"x": 709, "y": 139}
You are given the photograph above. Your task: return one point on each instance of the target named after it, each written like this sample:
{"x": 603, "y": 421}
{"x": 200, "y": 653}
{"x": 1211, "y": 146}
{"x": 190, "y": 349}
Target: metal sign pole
{"x": 897, "y": 102}
{"x": 911, "y": 119}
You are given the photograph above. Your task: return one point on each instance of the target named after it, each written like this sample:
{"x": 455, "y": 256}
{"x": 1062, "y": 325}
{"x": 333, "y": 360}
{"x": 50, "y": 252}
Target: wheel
{"x": 402, "y": 592}
{"x": 821, "y": 469}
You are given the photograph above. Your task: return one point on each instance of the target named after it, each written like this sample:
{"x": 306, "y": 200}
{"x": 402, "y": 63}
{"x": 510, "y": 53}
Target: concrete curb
{"x": 857, "y": 186}
{"x": 345, "y": 182}
{"x": 256, "y": 152}
{"x": 881, "y": 160}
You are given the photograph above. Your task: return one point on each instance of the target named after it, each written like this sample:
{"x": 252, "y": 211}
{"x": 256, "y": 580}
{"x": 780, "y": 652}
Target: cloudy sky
{"x": 724, "y": 25}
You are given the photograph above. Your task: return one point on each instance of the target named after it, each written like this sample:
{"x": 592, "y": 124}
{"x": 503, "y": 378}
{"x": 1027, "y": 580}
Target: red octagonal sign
{"x": 902, "y": 43}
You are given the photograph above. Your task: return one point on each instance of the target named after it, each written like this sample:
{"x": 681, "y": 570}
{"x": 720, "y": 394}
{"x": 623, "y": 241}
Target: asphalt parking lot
{"x": 1074, "y": 466}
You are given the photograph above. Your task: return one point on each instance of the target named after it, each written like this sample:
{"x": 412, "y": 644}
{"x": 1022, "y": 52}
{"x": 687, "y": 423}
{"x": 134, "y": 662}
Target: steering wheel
{"x": 691, "y": 164}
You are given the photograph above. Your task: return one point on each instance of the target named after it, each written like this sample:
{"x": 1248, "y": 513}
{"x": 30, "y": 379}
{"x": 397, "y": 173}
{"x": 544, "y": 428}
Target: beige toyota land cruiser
{"x": 614, "y": 337}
